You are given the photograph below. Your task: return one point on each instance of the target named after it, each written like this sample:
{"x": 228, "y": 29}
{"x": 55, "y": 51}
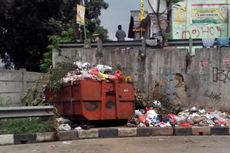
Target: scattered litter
{"x": 161, "y": 140}
{"x": 195, "y": 116}
{"x": 64, "y": 127}
{"x": 62, "y": 120}
{"x": 67, "y": 142}
{"x": 78, "y": 128}
{"x": 51, "y": 147}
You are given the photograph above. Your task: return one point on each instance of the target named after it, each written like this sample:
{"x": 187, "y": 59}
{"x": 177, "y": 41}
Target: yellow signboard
{"x": 80, "y": 15}
{"x": 142, "y": 11}
{"x": 209, "y": 13}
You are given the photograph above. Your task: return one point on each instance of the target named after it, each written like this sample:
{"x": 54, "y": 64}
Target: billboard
{"x": 209, "y": 13}
{"x": 200, "y": 19}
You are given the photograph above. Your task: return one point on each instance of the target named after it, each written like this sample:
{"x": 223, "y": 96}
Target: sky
{"x": 117, "y": 13}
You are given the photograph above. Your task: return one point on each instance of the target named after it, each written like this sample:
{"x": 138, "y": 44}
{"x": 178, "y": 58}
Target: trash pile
{"x": 64, "y": 124}
{"x": 195, "y": 116}
{"x": 86, "y": 71}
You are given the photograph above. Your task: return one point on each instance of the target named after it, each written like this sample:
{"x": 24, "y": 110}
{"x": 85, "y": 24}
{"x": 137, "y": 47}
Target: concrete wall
{"x": 201, "y": 79}
{"x": 208, "y": 79}
{"x": 13, "y": 84}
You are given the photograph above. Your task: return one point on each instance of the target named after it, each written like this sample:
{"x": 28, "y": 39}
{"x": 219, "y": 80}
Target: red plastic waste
{"x": 142, "y": 119}
{"x": 184, "y": 125}
{"x": 96, "y": 100}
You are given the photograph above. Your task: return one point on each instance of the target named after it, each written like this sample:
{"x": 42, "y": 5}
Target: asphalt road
{"x": 175, "y": 144}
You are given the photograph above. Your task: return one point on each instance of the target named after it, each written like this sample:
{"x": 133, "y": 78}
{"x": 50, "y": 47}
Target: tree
{"x": 25, "y": 26}
{"x": 67, "y": 35}
{"x": 24, "y": 30}
{"x": 102, "y": 33}
{"x": 68, "y": 30}
{"x": 93, "y": 11}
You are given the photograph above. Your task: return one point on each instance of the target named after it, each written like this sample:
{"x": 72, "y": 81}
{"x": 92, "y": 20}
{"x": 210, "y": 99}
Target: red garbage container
{"x": 96, "y": 100}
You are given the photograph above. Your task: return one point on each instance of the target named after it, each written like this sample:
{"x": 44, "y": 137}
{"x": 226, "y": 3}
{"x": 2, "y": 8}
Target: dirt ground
{"x": 175, "y": 144}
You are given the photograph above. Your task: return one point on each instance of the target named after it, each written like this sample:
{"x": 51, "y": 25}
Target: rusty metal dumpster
{"x": 96, "y": 100}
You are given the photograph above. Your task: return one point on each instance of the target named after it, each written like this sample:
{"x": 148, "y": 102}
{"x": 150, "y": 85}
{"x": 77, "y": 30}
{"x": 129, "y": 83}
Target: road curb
{"x": 201, "y": 131}
{"x": 182, "y": 131}
{"x": 10, "y": 139}
{"x": 6, "y": 139}
{"x": 24, "y": 138}
{"x": 219, "y": 130}
{"x": 85, "y": 134}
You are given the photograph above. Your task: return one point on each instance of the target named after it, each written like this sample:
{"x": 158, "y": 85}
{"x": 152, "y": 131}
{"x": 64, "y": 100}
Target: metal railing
{"x": 30, "y": 111}
{"x": 132, "y": 43}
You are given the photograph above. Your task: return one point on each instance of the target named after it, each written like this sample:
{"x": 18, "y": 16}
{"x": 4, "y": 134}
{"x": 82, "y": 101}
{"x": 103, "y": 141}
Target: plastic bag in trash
{"x": 138, "y": 113}
{"x": 64, "y": 127}
{"x": 62, "y": 120}
{"x": 104, "y": 68}
{"x": 82, "y": 66}
{"x": 118, "y": 74}
{"x": 142, "y": 119}
{"x": 94, "y": 71}
{"x": 112, "y": 77}
{"x": 151, "y": 114}
{"x": 85, "y": 66}
{"x": 102, "y": 76}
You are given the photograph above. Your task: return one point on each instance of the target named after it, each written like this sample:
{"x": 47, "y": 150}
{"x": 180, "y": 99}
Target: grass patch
{"x": 26, "y": 125}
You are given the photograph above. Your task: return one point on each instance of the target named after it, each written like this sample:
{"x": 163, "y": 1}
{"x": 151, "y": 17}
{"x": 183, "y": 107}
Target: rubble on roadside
{"x": 195, "y": 116}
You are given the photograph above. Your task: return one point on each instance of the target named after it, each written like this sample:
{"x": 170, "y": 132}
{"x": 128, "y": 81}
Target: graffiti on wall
{"x": 204, "y": 64}
{"x": 221, "y": 75}
{"x": 201, "y": 32}
{"x": 226, "y": 61}
{"x": 212, "y": 95}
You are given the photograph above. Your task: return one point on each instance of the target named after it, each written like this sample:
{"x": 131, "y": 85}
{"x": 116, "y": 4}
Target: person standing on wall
{"x": 120, "y": 34}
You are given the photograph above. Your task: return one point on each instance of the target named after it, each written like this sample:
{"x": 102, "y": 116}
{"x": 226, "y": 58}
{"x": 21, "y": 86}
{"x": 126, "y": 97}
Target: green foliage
{"x": 102, "y": 33}
{"x": 26, "y": 126}
{"x": 67, "y": 35}
{"x": 57, "y": 73}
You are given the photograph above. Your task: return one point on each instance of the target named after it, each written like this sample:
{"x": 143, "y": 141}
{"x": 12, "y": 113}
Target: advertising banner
{"x": 209, "y": 13}
{"x": 80, "y": 16}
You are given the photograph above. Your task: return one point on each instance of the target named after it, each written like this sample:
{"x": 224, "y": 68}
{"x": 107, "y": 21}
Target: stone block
{"x": 201, "y": 130}
{"x": 24, "y": 138}
{"x": 182, "y": 131}
{"x": 219, "y": 130}
{"x": 108, "y": 133}
{"x": 67, "y": 135}
{"x": 144, "y": 132}
{"x": 6, "y": 139}
{"x": 167, "y": 131}
{"x": 91, "y": 133}
{"x": 127, "y": 132}
{"x": 46, "y": 136}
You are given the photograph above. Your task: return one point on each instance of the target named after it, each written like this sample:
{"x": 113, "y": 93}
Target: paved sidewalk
{"x": 171, "y": 144}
